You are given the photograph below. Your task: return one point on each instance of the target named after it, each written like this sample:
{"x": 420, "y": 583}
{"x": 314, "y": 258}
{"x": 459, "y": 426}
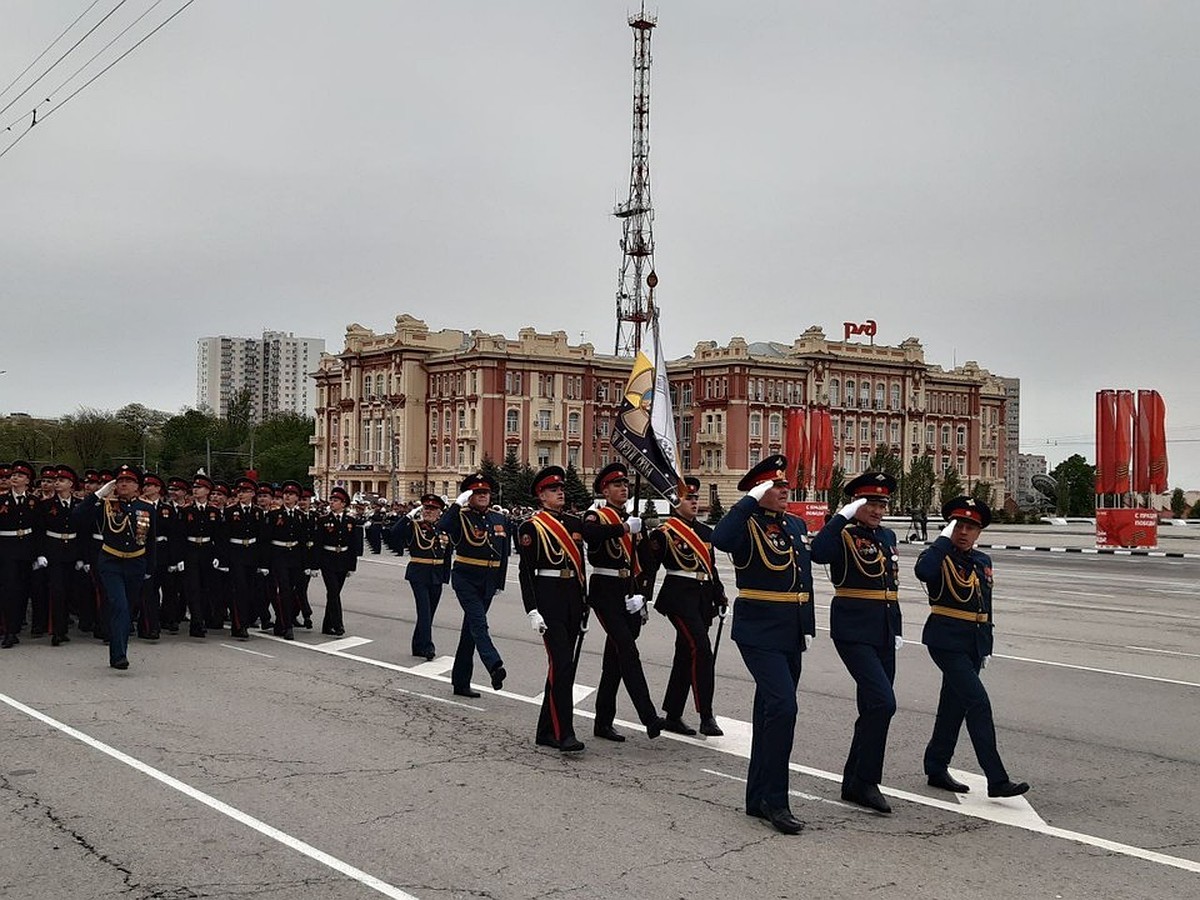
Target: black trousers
{"x": 15, "y": 582}
{"x": 288, "y": 577}
{"x": 621, "y": 659}
{"x": 334, "y": 581}
{"x": 963, "y": 697}
{"x": 242, "y": 583}
{"x": 562, "y": 615}
{"x": 59, "y": 580}
{"x": 776, "y": 675}
{"x": 692, "y": 666}
{"x": 873, "y": 670}
{"x": 199, "y": 586}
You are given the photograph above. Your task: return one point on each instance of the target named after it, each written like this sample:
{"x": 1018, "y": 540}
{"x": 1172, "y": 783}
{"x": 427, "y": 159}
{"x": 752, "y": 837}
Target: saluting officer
{"x": 864, "y": 622}
{"x": 958, "y": 635}
{"x": 200, "y": 523}
{"x": 18, "y": 546}
{"x": 481, "y": 546}
{"x": 773, "y": 624}
{"x": 428, "y": 565}
{"x": 690, "y": 597}
{"x": 242, "y": 527}
{"x": 551, "y": 571}
{"x": 287, "y": 534}
{"x": 59, "y": 549}
{"x": 338, "y": 542}
{"x": 126, "y": 525}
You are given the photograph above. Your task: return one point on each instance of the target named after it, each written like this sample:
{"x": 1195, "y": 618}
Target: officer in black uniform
{"x": 864, "y": 622}
{"x": 374, "y": 528}
{"x": 221, "y": 600}
{"x": 148, "y": 615}
{"x": 201, "y": 521}
{"x": 60, "y": 550}
{"x": 39, "y": 582}
{"x": 172, "y": 549}
{"x": 551, "y": 571}
{"x": 286, "y": 534}
{"x": 690, "y": 597}
{"x": 126, "y": 524}
{"x": 242, "y": 527}
{"x": 481, "y": 546}
{"x": 338, "y": 543}
{"x": 312, "y": 563}
{"x": 428, "y": 565}
{"x": 18, "y": 550}
{"x": 617, "y": 595}
{"x": 958, "y": 635}
{"x": 773, "y": 624}
{"x": 264, "y": 584}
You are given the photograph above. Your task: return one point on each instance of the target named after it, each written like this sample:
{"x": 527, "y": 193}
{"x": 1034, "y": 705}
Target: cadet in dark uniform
{"x": 60, "y": 550}
{"x": 864, "y": 622}
{"x": 242, "y": 528}
{"x": 617, "y": 595}
{"x": 773, "y": 624}
{"x": 550, "y": 544}
{"x": 287, "y": 534}
{"x": 958, "y": 635}
{"x": 18, "y": 550}
{"x": 338, "y": 543}
{"x": 221, "y": 599}
{"x": 690, "y": 597}
{"x": 312, "y": 563}
{"x": 428, "y": 562}
{"x": 481, "y": 546}
{"x": 172, "y": 549}
{"x": 264, "y": 584}
{"x": 39, "y": 582}
{"x": 200, "y": 523}
{"x": 374, "y": 528}
{"x": 126, "y": 524}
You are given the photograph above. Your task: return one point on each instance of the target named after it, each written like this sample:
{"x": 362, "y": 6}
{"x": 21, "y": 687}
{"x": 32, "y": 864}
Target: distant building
{"x": 1012, "y": 435}
{"x": 424, "y": 407}
{"x": 274, "y": 368}
{"x": 1028, "y": 465}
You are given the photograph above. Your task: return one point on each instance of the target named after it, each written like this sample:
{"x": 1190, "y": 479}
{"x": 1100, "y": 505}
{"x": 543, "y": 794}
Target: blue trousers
{"x": 873, "y": 670}
{"x": 122, "y": 580}
{"x": 427, "y": 597}
{"x": 776, "y": 674}
{"x": 963, "y": 696}
{"x": 475, "y": 597}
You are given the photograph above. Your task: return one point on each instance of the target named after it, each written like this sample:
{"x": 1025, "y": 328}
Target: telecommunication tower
{"x": 635, "y": 289}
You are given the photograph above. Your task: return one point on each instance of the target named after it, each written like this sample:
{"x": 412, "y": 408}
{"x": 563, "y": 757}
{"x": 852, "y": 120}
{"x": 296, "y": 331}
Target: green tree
{"x": 837, "y": 481}
{"x": 950, "y": 487}
{"x": 884, "y": 460}
{"x": 1178, "y": 503}
{"x": 510, "y": 475}
{"x": 1195, "y": 513}
{"x": 281, "y": 448}
{"x": 578, "y": 495}
{"x": 93, "y": 437}
{"x": 715, "y": 512}
{"x": 1076, "y": 480}
{"x": 523, "y": 493}
{"x": 917, "y": 489}
{"x": 184, "y": 441}
{"x": 982, "y": 491}
{"x": 488, "y": 468}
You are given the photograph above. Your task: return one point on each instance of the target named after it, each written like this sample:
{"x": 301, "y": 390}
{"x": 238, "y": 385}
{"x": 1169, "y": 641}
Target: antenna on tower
{"x": 635, "y": 289}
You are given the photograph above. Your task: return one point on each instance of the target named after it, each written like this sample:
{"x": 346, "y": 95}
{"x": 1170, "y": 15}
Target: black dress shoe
{"x": 1008, "y": 789}
{"x": 467, "y": 692}
{"x": 782, "y": 819}
{"x": 676, "y": 725}
{"x": 339, "y": 631}
{"x": 710, "y": 728}
{"x": 55, "y": 640}
{"x": 430, "y": 656}
{"x": 153, "y": 636}
{"x": 121, "y": 663}
{"x": 571, "y": 745}
{"x": 9, "y": 641}
{"x": 64, "y": 639}
{"x": 240, "y": 633}
{"x": 171, "y": 629}
{"x": 867, "y": 795}
{"x": 267, "y": 626}
{"x": 196, "y": 632}
{"x": 756, "y": 812}
{"x": 547, "y": 742}
{"x": 308, "y": 624}
{"x": 329, "y": 631}
{"x": 608, "y": 733}
{"x": 288, "y": 636}
{"x": 947, "y": 782}
{"x": 498, "y": 676}
{"x": 655, "y": 728}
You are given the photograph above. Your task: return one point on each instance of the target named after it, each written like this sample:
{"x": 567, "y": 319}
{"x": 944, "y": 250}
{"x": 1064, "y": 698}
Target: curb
{"x": 1092, "y": 551}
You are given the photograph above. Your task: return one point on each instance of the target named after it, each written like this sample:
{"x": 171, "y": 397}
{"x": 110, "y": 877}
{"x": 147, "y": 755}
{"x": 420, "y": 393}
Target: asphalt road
{"x": 334, "y": 769}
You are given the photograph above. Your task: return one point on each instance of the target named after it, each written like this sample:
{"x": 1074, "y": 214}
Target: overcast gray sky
{"x": 1015, "y": 183}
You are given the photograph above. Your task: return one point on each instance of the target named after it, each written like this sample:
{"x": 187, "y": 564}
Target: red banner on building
{"x": 822, "y": 440}
{"x": 796, "y": 450}
{"x": 1126, "y": 528}
{"x": 1123, "y": 444}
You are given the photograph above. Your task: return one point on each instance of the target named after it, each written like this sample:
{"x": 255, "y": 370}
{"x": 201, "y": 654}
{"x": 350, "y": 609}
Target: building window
{"x": 687, "y": 394}
{"x": 462, "y": 418}
{"x": 895, "y": 396}
{"x": 929, "y": 433}
{"x": 512, "y": 422}
{"x": 462, "y": 454}
{"x": 573, "y": 456}
{"x": 945, "y": 435}
{"x": 865, "y": 461}
{"x": 543, "y": 457}
{"x": 895, "y": 430}
{"x": 775, "y": 426}
{"x": 755, "y": 457}
{"x": 687, "y": 458}
{"x": 864, "y": 431}
{"x": 755, "y": 425}
{"x": 685, "y": 429}
{"x": 573, "y": 420}
{"x": 864, "y": 393}
{"x": 447, "y": 459}
{"x": 849, "y": 391}
{"x": 961, "y": 436}
{"x": 602, "y": 429}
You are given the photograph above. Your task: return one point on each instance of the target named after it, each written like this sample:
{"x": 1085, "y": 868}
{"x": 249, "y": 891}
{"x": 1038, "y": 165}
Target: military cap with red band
{"x": 606, "y": 476}
{"x": 291, "y": 486}
{"x": 339, "y": 493}
{"x": 129, "y": 473}
{"x": 64, "y": 471}
{"x": 49, "y": 472}
{"x": 245, "y": 484}
{"x": 477, "y": 482}
{"x": 221, "y": 487}
{"x": 551, "y": 476}
{"x": 433, "y": 501}
{"x": 969, "y": 510}
{"x": 175, "y": 483}
{"x": 153, "y": 478}
{"x": 872, "y": 485}
{"x": 20, "y": 466}
{"x": 773, "y": 468}
{"x": 203, "y": 481}
{"x": 265, "y": 490}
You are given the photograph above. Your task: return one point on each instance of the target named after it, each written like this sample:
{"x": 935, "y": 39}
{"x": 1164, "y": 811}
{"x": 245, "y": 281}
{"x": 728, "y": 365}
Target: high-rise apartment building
{"x": 1012, "y": 436}
{"x": 275, "y": 370}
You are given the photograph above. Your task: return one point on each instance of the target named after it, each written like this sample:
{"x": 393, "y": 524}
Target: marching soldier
{"x": 550, "y": 544}
{"x": 864, "y": 622}
{"x": 200, "y": 523}
{"x": 481, "y": 546}
{"x": 172, "y": 549}
{"x": 221, "y": 598}
{"x": 264, "y": 584}
{"x": 773, "y": 625}
{"x": 338, "y": 543}
{"x": 690, "y": 597}
{"x": 242, "y": 527}
{"x": 18, "y": 546}
{"x": 60, "y": 550}
{"x": 39, "y": 583}
{"x": 958, "y": 635}
{"x": 312, "y": 563}
{"x": 89, "y": 593}
{"x": 427, "y": 568}
{"x": 149, "y": 609}
{"x": 617, "y": 596}
{"x": 286, "y": 534}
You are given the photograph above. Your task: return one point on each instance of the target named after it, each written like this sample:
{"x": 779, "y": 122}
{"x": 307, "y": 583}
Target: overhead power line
{"x": 48, "y": 48}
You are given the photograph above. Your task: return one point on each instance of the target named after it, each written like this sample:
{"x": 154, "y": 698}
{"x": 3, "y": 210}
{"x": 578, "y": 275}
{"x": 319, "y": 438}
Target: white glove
{"x": 634, "y": 602}
{"x": 146, "y": 577}
{"x": 103, "y": 492}
{"x": 899, "y": 642}
{"x": 461, "y": 499}
{"x": 40, "y": 563}
{"x": 216, "y": 563}
{"x": 179, "y": 566}
{"x": 983, "y": 662}
{"x": 723, "y": 610}
{"x": 313, "y": 573}
{"x": 598, "y": 503}
{"x": 79, "y": 565}
{"x": 948, "y": 530}
{"x": 760, "y": 490}
{"x": 808, "y": 641}
{"x": 264, "y": 571}
{"x": 536, "y": 622}
{"x": 634, "y": 523}
{"x": 87, "y": 567}
{"x": 415, "y": 513}
{"x": 847, "y": 512}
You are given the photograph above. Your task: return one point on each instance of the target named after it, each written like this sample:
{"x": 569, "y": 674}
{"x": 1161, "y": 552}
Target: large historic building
{"x": 413, "y": 410}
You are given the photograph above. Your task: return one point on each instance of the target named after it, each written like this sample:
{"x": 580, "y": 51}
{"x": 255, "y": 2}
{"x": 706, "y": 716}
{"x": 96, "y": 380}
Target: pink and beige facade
{"x": 413, "y": 410}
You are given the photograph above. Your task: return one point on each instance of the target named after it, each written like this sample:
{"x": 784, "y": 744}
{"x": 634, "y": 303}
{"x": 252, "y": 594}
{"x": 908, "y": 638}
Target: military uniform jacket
{"x": 338, "y": 542}
{"x": 481, "y": 541}
{"x": 240, "y": 540}
{"x": 428, "y": 549}
{"x": 774, "y": 608}
{"x": 683, "y": 550}
{"x": 56, "y": 531}
{"x": 285, "y": 538}
{"x": 960, "y": 598}
{"x": 126, "y": 529}
{"x": 864, "y": 569}
{"x": 200, "y": 527}
{"x": 19, "y": 521}
{"x": 611, "y": 548}
{"x": 551, "y": 569}
{"x": 169, "y": 527}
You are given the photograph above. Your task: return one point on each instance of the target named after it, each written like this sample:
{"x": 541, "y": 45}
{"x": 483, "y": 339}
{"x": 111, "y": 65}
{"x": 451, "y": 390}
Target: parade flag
{"x": 1123, "y": 446}
{"x": 1106, "y": 436}
{"x": 1158, "y": 444}
{"x": 822, "y": 443}
{"x": 645, "y": 409}
{"x": 1141, "y": 444}
{"x": 796, "y": 449}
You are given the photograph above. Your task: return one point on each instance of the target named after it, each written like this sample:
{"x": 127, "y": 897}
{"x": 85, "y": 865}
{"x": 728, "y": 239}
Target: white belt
{"x": 611, "y": 573}
{"x": 60, "y": 537}
{"x": 244, "y": 542}
{"x": 696, "y": 576}
{"x": 554, "y": 573}
{"x": 161, "y": 537}
{"x": 199, "y": 540}
{"x": 20, "y": 532}
{"x": 287, "y": 545}
{"x": 336, "y": 549}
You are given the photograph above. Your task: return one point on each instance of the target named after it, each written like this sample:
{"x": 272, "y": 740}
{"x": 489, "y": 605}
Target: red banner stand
{"x": 1126, "y": 528}
{"x": 811, "y": 511}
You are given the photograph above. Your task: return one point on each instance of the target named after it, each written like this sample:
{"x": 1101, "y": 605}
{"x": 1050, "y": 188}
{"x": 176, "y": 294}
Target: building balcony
{"x": 554, "y": 433}
{"x": 710, "y": 437}
{"x": 468, "y": 434}
{"x": 314, "y": 440}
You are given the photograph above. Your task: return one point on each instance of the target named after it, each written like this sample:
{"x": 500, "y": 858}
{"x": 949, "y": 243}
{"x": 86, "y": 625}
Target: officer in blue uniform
{"x": 958, "y": 635}
{"x": 427, "y": 570}
{"x": 773, "y": 624}
{"x": 481, "y": 545}
{"x": 864, "y": 622}
{"x": 126, "y": 524}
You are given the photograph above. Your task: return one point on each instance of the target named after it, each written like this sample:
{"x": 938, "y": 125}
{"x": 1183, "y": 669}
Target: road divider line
{"x": 1062, "y": 665}
{"x": 440, "y": 700}
{"x": 293, "y": 843}
{"x": 246, "y": 650}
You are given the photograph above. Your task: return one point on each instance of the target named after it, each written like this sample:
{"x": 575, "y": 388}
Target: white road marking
{"x": 812, "y": 798}
{"x": 580, "y": 693}
{"x": 247, "y": 650}
{"x": 363, "y": 878}
{"x": 441, "y": 700}
{"x": 346, "y": 643}
{"x": 1092, "y": 594}
{"x": 736, "y": 742}
{"x": 439, "y": 666}
{"x": 1169, "y": 652}
{"x": 1015, "y": 811}
{"x": 1062, "y": 665}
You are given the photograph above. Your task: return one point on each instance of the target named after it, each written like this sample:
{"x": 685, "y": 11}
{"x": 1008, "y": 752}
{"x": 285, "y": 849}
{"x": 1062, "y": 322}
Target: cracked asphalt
{"x": 443, "y": 801}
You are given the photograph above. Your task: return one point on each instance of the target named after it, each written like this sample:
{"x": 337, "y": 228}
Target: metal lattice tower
{"x": 635, "y": 289}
